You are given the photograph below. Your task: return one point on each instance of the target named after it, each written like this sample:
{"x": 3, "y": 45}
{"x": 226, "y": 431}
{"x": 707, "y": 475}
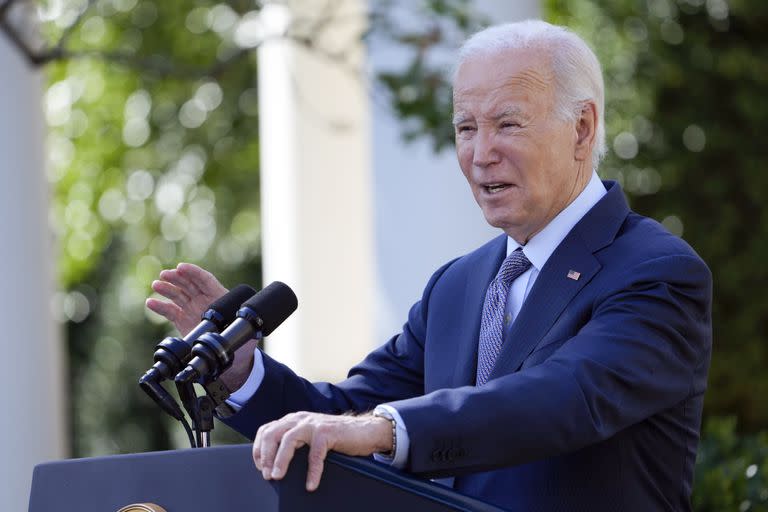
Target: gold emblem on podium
{"x": 142, "y": 507}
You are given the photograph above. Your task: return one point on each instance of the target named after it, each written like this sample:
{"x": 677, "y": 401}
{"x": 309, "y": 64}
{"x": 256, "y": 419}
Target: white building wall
{"x": 316, "y": 189}
{"x": 425, "y": 214}
{"x": 32, "y": 426}
{"x": 354, "y": 219}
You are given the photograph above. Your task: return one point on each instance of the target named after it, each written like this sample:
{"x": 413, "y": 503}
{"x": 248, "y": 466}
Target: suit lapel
{"x": 486, "y": 266}
{"x": 551, "y": 293}
{"x": 554, "y": 289}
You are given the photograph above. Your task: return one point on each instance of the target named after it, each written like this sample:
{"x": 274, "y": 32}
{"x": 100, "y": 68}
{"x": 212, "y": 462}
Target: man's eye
{"x": 510, "y": 124}
{"x": 464, "y": 129}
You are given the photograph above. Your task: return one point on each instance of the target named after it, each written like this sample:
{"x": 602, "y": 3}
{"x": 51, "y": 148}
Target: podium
{"x": 225, "y": 479}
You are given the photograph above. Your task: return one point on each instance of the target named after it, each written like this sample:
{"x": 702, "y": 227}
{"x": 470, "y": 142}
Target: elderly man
{"x": 562, "y": 365}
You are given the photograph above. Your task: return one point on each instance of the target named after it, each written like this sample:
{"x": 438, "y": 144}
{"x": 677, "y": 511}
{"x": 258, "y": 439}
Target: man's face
{"x": 517, "y": 156}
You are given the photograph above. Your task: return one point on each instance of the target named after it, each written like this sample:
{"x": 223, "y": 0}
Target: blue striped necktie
{"x": 492, "y": 322}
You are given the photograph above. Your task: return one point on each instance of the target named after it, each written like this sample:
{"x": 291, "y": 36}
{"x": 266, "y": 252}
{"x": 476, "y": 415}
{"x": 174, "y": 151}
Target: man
{"x": 562, "y": 365}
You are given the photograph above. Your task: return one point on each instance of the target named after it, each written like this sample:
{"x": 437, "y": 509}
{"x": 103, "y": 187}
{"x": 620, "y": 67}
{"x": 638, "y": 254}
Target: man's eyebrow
{"x": 460, "y": 117}
{"x": 507, "y": 112}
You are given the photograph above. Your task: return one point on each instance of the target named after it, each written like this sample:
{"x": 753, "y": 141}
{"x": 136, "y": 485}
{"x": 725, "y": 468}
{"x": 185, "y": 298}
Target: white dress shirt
{"x": 537, "y": 250}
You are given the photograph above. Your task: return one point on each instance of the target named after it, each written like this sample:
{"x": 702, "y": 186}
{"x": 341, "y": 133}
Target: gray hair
{"x": 577, "y": 73}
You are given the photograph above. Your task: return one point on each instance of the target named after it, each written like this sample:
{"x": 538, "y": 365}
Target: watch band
{"x": 383, "y": 413}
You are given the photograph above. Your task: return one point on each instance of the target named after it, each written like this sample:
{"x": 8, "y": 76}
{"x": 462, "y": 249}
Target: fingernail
{"x": 265, "y": 473}
{"x": 275, "y": 473}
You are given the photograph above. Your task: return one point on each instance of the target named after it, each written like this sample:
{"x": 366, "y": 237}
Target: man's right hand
{"x": 190, "y": 290}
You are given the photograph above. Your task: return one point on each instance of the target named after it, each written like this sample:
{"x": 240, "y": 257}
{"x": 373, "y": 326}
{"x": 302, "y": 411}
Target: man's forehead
{"x": 504, "y": 71}
{"x": 498, "y": 65}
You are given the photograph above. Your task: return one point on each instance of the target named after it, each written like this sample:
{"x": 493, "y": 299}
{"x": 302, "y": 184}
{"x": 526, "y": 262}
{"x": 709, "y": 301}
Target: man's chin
{"x": 517, "y": 230}
{"x": 498, "y": 220}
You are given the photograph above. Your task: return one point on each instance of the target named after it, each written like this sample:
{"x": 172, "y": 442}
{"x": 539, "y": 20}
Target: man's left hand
{"x": 276, "y": 442}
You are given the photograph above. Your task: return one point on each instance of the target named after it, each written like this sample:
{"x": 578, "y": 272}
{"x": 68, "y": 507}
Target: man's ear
{"x": 586, "y": 131}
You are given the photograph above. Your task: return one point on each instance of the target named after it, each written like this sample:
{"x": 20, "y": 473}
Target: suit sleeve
{"x": 645, "y": 349}
{"x": 394, "y": 371}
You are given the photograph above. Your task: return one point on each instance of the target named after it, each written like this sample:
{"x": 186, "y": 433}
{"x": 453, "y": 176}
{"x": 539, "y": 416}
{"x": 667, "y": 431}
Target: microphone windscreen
{"x": 227, "y": 305}
{"x": 273, "y": 305}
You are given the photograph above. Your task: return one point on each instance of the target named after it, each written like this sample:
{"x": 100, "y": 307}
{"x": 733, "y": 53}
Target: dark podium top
{"x": 225, "y": 479}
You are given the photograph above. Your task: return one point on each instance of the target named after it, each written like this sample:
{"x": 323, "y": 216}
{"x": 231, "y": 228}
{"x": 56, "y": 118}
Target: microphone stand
{"x": 205, "y": 416}
{"x": 201, "y": 408}
{"x": 213, "y": 354}
{"x": 218, "y": 393}
{"x": 188, "y": 399}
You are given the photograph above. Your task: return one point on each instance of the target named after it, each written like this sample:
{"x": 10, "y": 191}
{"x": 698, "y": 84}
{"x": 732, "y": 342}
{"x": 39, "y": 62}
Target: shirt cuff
{"x": 239, "y": 398}
{"x": 402, "y": 443}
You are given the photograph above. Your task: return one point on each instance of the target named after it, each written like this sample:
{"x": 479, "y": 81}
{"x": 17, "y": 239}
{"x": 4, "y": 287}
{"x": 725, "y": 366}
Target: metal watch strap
{"x": 383, "y": 413}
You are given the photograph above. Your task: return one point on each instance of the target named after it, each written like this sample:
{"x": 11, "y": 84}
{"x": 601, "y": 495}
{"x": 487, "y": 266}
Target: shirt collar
{"x": 543, "y": 244}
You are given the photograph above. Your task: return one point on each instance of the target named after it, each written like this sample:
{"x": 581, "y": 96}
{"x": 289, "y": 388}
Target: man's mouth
{"x": 494, "y": 188}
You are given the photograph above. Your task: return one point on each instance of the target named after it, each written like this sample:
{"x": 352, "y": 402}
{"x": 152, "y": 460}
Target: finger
{"x": 206, "y": 283}
{"x": 291, "y": 441}
{"x": 175, "y": 278}
{"x": 166, "y": 309}
{"x": 256, "y": 450}
{"x": 170, "y": 291}
{"x": 270, "y": 442}
{"x": 316, "y": 460}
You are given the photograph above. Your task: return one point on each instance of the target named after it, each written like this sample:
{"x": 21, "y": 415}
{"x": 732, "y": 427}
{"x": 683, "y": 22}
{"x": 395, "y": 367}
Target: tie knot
{"x": 512, "y": 267}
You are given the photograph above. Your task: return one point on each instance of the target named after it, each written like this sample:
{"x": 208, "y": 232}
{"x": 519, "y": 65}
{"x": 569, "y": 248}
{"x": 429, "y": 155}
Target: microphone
{"x": 173, "y": 353}
{"x": 258, "y": 317}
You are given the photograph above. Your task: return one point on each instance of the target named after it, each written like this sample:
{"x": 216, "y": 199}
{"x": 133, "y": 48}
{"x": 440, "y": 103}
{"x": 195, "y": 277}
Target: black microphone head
{"x": 272, "y": 305}
{"x": 224, "y": 309}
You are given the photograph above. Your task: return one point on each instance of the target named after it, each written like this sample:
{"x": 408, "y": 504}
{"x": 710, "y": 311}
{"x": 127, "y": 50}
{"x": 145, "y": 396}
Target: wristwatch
{"x": 381, "y": 412}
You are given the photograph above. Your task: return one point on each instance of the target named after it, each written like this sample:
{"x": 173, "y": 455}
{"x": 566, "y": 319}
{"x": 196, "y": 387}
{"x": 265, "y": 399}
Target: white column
{"x": 353, "y": 219}
{"x": 315, "y": 189}
{"x": 32, "y": 427}
{"x": 424, "y": 211}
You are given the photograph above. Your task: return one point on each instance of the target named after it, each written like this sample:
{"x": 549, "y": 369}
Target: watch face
{"x": 142, "y": 507}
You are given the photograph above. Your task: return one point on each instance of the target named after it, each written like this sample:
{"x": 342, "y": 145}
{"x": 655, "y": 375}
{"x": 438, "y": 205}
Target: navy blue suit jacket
{"x": 595, "y": 401}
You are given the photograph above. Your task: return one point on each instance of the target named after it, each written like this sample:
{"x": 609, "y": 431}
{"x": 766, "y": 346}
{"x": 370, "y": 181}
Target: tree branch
{"x": 14, "y": 37}
{"x": 154, "y": 65}
{"x": 309, "y": 30}
{"x": 159, "y": 67}
{"x": 4, "y": 6}
{"x": 68, "y": 31}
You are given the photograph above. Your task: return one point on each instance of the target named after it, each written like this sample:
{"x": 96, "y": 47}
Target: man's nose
{"x": 485, "y": 151}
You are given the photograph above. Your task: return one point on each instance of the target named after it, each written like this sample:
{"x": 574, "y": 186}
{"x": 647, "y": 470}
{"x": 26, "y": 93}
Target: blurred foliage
{"x": 731, "y": 469}
{"x": 420, "y": 92}
{"x": 153, "y": 159}
{"x": 685, "y": 92}
{"x": 149, "y": 168}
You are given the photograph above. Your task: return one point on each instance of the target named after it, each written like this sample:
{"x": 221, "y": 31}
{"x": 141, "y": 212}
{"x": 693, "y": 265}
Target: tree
{"x": 153, "y": 149}
{"x": 685, "y": 98}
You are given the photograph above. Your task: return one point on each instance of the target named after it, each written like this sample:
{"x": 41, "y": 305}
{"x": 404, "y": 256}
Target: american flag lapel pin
{"x": 572, "y": 274}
